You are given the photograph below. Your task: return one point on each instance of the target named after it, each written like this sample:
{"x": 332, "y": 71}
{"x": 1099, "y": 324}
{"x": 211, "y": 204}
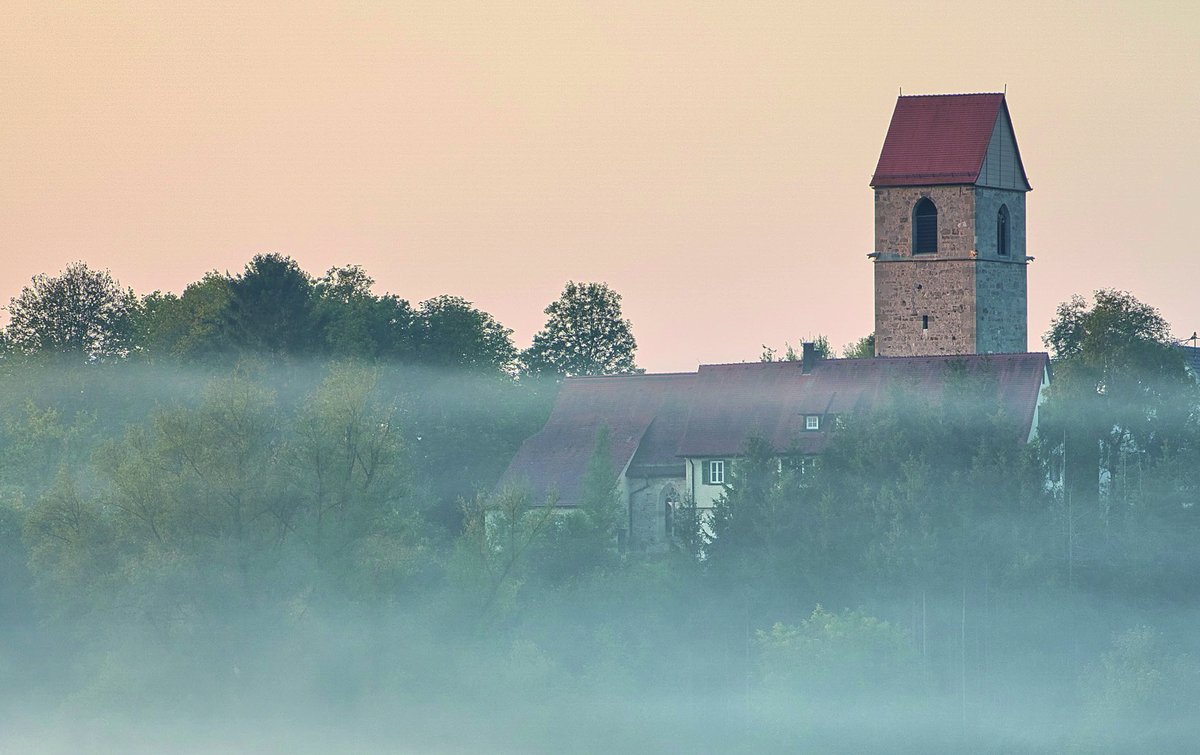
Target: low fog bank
{"x": 311, "y": 558}
{"x": 377, "y": 684}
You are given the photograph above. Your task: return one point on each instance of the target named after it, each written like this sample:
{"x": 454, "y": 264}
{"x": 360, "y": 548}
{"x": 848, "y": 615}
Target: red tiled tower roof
{"x": 938, "y": 139}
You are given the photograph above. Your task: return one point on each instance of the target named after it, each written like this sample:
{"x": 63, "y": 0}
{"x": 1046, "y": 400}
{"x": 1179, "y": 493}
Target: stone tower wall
{"x": 907, "y": 290}
{"x": 1000, "y": 307}
{"x": 956, "y": 219}
{"x": 1000, "y": 282}
{"x": 973, "y": 299}
{"x": 987, "y": 207}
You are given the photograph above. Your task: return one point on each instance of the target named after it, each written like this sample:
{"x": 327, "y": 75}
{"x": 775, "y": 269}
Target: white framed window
{"x": 716, "y": 472}
{"x": 812, "y": 422}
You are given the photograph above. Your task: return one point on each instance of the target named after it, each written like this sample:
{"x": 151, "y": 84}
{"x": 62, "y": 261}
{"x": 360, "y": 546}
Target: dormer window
{"x": 1002, "y": 231}
{"x": 925, "y": 230}
{"x": 812, "y": 422}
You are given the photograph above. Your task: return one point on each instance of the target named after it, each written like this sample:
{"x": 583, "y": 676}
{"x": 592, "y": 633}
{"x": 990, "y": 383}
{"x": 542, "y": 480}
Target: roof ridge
{"x": 576, "y": 378}
{"x": 777, "y": 362}
{"x": 951, "y": 357}
{"x": 798, "y": 363}
{"x": 960, "y": 356}
{"x": 822, "y": 360}
{"x": 955, "y": 94}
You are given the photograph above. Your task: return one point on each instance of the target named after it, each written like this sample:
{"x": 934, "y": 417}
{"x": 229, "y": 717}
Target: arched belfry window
{"x": 924, "y": 227}
{"x": 1002, "y": 231}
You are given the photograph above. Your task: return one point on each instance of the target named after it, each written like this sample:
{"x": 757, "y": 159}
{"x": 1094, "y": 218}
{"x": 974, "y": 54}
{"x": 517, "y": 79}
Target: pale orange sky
{"x": 710, "y": 161}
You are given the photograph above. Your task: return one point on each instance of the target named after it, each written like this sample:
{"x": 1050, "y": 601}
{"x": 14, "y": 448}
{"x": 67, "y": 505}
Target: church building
{"x": 950, "y": 297}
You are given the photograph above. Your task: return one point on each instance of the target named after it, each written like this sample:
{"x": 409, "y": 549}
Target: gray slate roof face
{"x": 655, "y": 421}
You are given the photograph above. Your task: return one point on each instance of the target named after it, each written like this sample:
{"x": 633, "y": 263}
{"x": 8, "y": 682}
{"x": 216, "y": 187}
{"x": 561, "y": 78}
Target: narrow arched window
{"x": 924, "y": 227}
{"x": 1002, "y": 231}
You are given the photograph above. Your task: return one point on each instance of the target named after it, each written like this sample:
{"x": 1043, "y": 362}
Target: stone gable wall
{"x": 646, "y": 507}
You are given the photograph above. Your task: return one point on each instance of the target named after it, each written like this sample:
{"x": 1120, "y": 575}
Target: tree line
{"x": 275, "y": 310}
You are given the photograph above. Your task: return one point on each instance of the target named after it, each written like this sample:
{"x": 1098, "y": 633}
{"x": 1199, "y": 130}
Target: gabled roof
{"x": 936, "y": 139}
{"x": 655, "y": 421}
{"x": 734, "y": 402}
{"x": 554, "y": 461}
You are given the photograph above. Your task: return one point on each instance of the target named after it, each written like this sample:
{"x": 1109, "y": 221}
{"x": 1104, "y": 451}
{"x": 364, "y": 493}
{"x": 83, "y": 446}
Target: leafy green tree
{"x": 72, "y": 546}
{"x": 583, "y": 539}
{"x": 81, "y": 313}
{"x": 462, "y": 428}
{"x": 348, "y": 467}
{"x": 585, "y": 334}
{"x": 187, "y": 326}
{"x": 899, "y": 487}
{"x": 356, "y": 323}
{"x": 892, "y": 503}
{"x": 863, "y": 348}
{"x": 1121, "y": 390}
{"x": 599, "y": 496}
{"x": 1132, "y": 696}
{"x": 451, "y": 333}
{"x": 1120, "y": 425}
{"x": 1116, "y": 330}
{"x": 830, "y": 653}
{"x": 205, "y": 476}
{"x": 345, "y": 284}
{"x": 271, "y": 310}
{"x": 38, "y": 442}
{"x": 16, "y": 605}
{"x": 757, "y": 527}
{"x": 491, "y": 555}
{"x": 820, "y": 345}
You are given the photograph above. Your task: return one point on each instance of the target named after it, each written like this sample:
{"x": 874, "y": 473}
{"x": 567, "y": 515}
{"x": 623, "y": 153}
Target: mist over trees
{"x": 261, "y": 515}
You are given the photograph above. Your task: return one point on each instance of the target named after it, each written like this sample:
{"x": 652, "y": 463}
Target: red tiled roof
{"x": 655, "y": 420}
{"x": 734, "y": 402}
{"x": 937, "y": 139}
{"x": 554, "y": 461}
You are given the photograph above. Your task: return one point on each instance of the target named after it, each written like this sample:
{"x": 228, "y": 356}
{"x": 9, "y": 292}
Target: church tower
{"x": 950, "y": 262}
